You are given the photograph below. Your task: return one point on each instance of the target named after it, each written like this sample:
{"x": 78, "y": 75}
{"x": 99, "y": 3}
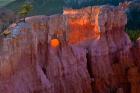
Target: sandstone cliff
{"x": 95, "y": 54}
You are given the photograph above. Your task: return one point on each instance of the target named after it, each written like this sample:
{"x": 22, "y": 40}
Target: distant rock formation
{"x": 77, "y": 1}
{"x": 6, "y": 18}
{"x": 95, "y": 55}
{"x": 6, "y": 15}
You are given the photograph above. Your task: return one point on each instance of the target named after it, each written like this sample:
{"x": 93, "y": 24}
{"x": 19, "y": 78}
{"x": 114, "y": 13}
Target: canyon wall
{"x": 95, "y": 55}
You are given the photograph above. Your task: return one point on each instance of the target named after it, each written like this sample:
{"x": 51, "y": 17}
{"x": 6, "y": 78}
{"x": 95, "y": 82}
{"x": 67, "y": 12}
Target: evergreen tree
{"x": 25, "y": 9}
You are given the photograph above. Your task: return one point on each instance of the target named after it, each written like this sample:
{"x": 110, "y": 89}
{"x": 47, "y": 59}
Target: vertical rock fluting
{"x": 95, "y": 55}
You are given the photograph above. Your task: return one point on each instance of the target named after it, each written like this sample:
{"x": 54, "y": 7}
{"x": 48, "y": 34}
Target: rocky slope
{"x": 95, "y": 55}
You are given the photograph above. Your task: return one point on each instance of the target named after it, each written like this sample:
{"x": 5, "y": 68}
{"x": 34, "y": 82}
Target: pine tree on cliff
{"x": 25, "y": 9}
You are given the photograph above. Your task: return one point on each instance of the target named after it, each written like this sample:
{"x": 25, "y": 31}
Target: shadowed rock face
{"x": 95, "y": 54}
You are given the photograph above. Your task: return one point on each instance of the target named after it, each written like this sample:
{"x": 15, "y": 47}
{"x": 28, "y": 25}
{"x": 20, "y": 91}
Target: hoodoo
{"x": 95, "y": 54}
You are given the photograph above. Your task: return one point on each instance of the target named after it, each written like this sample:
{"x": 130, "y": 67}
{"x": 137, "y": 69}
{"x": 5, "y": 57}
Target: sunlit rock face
{"x": 94, "y": 54}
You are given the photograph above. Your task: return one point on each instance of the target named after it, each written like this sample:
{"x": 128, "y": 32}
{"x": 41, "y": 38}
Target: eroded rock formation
{"x": 95, "y": 54}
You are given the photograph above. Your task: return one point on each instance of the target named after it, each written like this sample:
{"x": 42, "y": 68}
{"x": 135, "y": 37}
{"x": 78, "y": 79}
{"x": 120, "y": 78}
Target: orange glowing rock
{"x": 69, "y": 12}
{"x": 55, "y": 42}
